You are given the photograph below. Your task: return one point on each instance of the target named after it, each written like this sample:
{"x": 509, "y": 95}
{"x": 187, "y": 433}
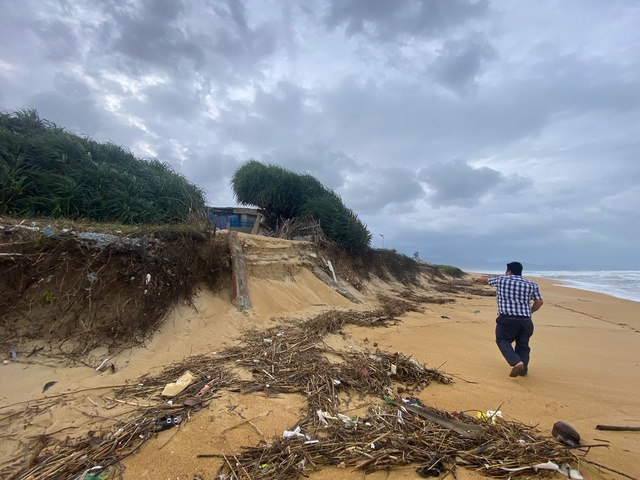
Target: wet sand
{"x": 585, "y": 370}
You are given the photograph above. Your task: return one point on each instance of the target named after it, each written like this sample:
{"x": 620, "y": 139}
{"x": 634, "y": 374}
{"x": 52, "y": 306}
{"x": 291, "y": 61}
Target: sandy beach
{"x": 585, "y": 370}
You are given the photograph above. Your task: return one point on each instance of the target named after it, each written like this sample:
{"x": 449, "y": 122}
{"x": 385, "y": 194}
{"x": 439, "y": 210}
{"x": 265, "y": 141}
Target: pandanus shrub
{"x": 48, "y": 171}
{"x": 283, "y": 195}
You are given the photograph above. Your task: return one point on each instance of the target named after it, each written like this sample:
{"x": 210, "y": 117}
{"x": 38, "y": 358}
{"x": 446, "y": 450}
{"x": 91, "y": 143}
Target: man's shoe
{"x": 517, "y": 369}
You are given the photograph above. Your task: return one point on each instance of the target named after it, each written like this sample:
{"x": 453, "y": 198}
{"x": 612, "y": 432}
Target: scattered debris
{"x": 297, "y": 361}
{"x": 102, "y": 365}
{"x": 168, "y": 421}
{"x": 565, "y": 433}
{"x": 464, "y": 430}
{"x": 192, "y": 402}
{"x": 433, "y": 470}
{"x": 174, "y": 388}
{"x": 48, "y": 385}
{"x": 102, "y": 240}
{"x": 295, "y": 433}
{"x": 322, "y": 275}
{"x": 97, "y": 473}
{"x": 618, "y": 428}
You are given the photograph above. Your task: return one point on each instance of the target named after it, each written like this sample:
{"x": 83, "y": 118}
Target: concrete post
{"x": 238, "y": 274}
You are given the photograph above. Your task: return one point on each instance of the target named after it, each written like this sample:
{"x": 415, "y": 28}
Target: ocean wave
{"x": 617, "y": 283}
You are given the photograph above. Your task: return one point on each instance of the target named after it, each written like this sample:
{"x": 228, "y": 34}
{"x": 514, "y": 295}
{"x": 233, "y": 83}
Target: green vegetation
{"x": 451, "y": 271}
{"x": 48, "y": 171}
{"x": 283, "y": 194}
{"x": 388, "y": 261}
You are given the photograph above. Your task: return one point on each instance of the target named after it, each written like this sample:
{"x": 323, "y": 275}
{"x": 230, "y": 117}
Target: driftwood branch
{"x": 618, "y": 428}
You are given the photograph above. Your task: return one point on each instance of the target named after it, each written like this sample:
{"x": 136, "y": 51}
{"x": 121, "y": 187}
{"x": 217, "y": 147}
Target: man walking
{"x": 517, "y": 299}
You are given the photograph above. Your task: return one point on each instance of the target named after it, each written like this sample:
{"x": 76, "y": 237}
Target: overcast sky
{"x": 467, "y": 131}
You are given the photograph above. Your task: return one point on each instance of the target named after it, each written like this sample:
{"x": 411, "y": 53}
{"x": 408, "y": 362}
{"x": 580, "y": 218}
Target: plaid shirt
{"x": 514, "y": 295}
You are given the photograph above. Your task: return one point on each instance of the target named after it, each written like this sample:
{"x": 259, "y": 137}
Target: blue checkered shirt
{"x": 514, "y": 295}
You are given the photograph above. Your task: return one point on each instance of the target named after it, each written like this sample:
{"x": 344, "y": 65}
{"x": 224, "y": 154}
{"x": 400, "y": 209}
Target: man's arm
{"x": 482, "y": 280}
{"x": 536, "y": 305}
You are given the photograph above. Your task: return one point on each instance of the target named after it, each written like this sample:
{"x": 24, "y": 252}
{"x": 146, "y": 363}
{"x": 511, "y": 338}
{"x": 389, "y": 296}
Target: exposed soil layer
{"x": 76, "y": 291}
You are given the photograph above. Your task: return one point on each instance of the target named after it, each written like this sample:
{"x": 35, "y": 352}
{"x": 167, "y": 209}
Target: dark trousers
{"x": 513, "y": 329}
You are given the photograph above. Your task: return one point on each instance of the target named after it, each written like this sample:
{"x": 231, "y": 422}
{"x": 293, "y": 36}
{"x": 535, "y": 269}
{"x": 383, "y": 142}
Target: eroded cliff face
{"x": 67, "y": 289}
{"x": 70, "y": 288}
{"x": 71, "y": 291}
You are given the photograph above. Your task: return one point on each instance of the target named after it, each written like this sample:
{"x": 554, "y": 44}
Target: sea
{"x": 617, "y": 283}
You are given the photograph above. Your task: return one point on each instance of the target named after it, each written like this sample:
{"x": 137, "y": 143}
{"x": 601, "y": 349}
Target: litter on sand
{"x": 173, "y": 389}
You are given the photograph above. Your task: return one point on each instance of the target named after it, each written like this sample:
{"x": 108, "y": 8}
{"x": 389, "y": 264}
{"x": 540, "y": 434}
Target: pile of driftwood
{"x": 307, "y": 229}
{"x": 292, "y": 357}
{"x": 392, "y": 435}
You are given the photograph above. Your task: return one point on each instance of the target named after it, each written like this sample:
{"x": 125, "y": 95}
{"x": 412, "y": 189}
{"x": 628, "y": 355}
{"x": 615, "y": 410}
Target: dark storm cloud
{"x": 82, "y": 115}
{"x": 172, "y": 101}
{"x": 213, "y": 169}
{"x": 513, "y": 184}
{"x": 72, "y": 105}
{"x": 586, "y": 84}
{"x": 187, "y": 37}
{"x": 149, "y": 33}
{"x": 458, "y": 183}
{"x": 272, "y": 119}
{"x": 491, "y": 253}
{"x": 399, "y": 118}
{"x": 387, "y": 20}
{"x": 317, "y": 160}
{"x": 395, "y": 121}
{"x": 18, "y": 30}
{"x": 59, "y": 40}
{"x": 386, "y": 189}
{"x": 459, "y": 62}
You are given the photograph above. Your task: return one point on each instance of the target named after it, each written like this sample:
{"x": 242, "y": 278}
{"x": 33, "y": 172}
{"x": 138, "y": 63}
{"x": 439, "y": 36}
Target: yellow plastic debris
{"x": 173, "y": 389}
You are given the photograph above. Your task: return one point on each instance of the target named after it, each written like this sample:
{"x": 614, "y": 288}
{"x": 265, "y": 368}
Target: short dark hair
{"x": 515, "y": 268}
